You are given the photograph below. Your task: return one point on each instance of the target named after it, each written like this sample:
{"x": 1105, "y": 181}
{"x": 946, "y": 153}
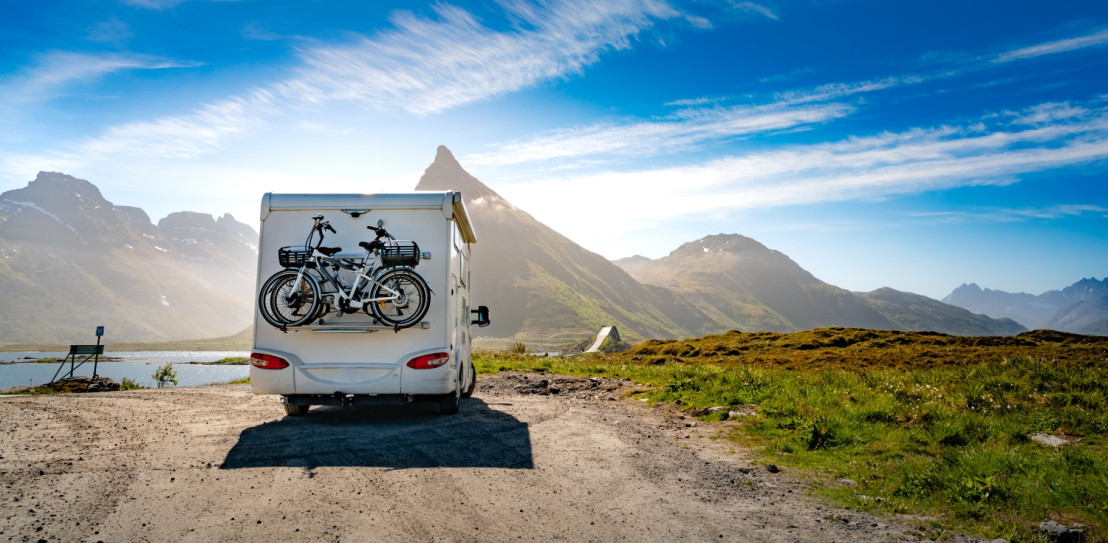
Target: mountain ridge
{"x": 1080, "y": 308}
{"x": 70, "y": 260}
{"x": 750, "y": 286}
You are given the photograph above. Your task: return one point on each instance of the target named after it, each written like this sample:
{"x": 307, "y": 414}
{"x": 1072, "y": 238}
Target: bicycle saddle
{"x": 329, "y": 251}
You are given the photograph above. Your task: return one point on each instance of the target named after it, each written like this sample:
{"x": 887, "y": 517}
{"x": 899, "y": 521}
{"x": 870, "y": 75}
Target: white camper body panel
{"x": 353, "y": 354}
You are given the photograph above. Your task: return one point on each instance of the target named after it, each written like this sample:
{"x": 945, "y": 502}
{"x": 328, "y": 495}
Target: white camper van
{"x": 340, "y": 316}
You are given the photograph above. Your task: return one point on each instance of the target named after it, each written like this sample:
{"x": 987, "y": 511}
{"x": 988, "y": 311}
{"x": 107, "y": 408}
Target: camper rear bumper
{"x": 347, "y": 399}
{"x": 351, "y": 379}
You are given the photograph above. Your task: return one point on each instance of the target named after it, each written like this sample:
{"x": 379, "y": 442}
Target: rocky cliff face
{"x": 71, "y": 260}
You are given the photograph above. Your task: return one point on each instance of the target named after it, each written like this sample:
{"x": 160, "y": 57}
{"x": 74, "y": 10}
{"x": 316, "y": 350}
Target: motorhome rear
{"x": 354, "y": 359}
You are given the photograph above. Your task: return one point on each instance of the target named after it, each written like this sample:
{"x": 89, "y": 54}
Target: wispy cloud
{"x": 423, "y": 66}
{"x": 56, "y": 72}
{"x": 704, "y": 125}
{"x": 876, "y": 167}
{"x": 675, "y": 133}
{"x": 756, "y": 8}
{"x": 111, "y": 31}
{"x": 1009, "y": 215}
{"x": 1096, "y": 39}
{"x": 694, "y": 125}
{"x": 1049, "y": 113}
{"x": 153, "y": 4}
{"x": 185, "y": 136}
{"x": 427, "y": 66}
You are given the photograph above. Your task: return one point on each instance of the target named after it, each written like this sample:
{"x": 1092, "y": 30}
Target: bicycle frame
{"x": 344, "y": 292}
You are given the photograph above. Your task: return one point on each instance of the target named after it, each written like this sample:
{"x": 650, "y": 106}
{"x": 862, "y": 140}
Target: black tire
{"x": 450, "y": 402}
{"x": 468, "y": 391}
{"x": 296, "y": 410}
{"x": 283, "y": 302}
{"x": 413, "y": 303}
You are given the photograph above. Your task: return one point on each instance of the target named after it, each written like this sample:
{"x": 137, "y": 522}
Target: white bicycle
{"x": 314, "y": 282}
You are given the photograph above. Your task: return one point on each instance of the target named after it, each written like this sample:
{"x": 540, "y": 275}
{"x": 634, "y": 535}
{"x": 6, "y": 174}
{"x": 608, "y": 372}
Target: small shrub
{"x": 518, "y": 348}
{"x": 127, "y": 384}
{"x": 827, "y": 433}
{"x": 165, "y": 375}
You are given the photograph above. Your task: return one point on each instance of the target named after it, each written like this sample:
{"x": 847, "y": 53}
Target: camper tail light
{"x": 429, "y": 361}
{"x": 268, "y": 361}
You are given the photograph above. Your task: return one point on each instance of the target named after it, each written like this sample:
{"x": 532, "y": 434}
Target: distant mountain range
{"x": 743, "y": 285}
{"x": 71, "y": 260}
{"x": 1081, "y": 308}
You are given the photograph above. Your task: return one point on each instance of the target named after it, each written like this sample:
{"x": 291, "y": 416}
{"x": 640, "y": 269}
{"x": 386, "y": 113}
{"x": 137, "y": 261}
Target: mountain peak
{"x": 729, "y": 247}
{"x": 445, "y": 173}
{"x": 54, "y": 190}
{"x": 443, "y": 155}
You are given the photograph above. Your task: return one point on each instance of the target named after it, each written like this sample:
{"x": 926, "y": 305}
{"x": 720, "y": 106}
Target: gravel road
{"x": 529, "y": 458}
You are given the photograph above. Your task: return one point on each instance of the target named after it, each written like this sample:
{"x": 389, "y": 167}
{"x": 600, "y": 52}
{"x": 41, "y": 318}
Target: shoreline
{"x": 117, "y": 359}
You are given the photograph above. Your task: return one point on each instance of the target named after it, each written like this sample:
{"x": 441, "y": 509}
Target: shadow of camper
{"x": 397, "y": 437}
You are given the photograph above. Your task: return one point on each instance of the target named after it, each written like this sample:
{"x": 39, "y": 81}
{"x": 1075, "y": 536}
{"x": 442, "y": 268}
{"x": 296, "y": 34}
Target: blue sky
{"x": 915, "y": 145}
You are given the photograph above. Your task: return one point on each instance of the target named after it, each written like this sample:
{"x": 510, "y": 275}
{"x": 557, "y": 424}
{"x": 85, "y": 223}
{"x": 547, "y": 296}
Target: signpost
{"x": 99, "y": 333}
{"x": 90, "y": 351}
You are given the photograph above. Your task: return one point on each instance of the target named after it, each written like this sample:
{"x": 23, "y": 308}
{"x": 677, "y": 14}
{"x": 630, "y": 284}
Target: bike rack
{"x": 353, "y": 328}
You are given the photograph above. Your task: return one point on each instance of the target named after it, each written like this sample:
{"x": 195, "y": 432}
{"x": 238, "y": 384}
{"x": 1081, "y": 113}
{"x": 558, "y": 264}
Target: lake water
{"x": 138, "y": 366}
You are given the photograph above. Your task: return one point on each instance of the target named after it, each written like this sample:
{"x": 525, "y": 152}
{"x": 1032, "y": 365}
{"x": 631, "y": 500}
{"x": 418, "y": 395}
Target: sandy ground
{"x": 525, "y": 460}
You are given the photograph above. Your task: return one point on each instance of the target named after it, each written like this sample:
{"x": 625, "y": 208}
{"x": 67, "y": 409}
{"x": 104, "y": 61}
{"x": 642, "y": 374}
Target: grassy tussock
{"x": 898, "y": 422}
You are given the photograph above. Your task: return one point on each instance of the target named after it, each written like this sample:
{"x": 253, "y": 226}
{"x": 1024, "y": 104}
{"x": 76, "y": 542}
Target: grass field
{"x": 926, "y": 424}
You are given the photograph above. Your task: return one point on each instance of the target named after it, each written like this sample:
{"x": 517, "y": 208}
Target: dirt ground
{"x": 528, "y": 458}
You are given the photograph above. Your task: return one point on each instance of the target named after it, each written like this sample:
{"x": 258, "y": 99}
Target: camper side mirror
{"x": 482, "y": 316}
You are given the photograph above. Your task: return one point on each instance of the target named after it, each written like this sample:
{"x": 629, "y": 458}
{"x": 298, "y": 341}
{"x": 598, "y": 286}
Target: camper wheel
{"x": 472, "y": 382}
{"x": 296, "y": 410}
{"x": 449, "y": 402}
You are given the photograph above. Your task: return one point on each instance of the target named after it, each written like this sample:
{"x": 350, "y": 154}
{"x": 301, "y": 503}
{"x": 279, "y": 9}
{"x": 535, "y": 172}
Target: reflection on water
{"x": 161, "y": 357}
{"x": 138, "y": 366}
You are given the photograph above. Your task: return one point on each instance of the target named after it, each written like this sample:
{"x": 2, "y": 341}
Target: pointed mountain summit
{"x": 446, "y": 173}
{"x": 540, "y": 285}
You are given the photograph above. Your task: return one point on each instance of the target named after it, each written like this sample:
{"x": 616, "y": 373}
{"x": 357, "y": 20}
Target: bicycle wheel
{"x": 284, "y": 301}
{"x": 411, "y": 297}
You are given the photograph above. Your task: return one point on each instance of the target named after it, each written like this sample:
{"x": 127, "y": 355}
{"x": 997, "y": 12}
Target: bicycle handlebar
{"x": 381, "y": 232}
{"x": 321, "y": 225}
